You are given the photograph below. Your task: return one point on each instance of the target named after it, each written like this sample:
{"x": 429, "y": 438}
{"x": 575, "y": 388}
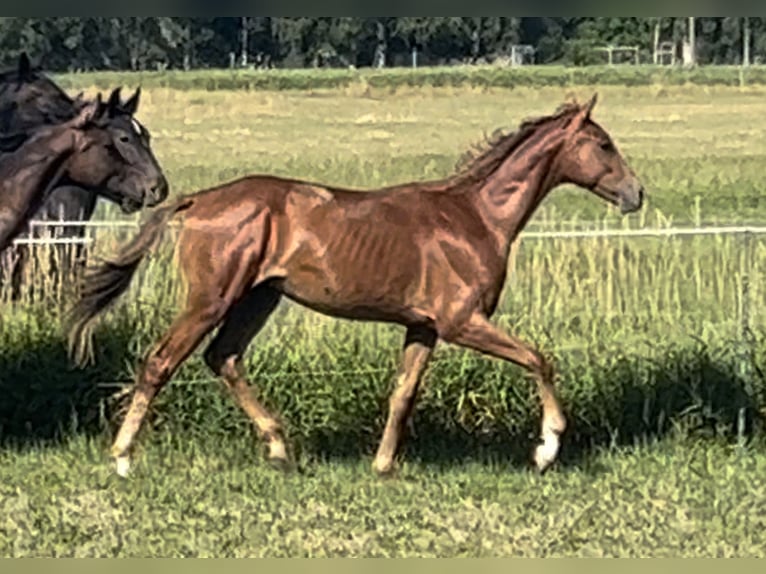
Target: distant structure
{"x": 665, "y": 54}
{"x": 616, "y": 54}
{"x": 522, "y": 54}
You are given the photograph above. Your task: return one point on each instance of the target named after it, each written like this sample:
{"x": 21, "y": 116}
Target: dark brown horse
{"x": 429, "y": 256}
{"x": 29, "y": 100}
{"x": 99, "y": 150}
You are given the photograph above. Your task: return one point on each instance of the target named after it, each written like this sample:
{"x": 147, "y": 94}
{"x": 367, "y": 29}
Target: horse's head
{"x": 113, "y": 156}
{"x": 590, "y": 159}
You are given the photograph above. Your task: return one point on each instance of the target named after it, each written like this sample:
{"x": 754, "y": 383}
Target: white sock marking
{"x": 122, "y": 464}
{"x": 546, "y": 453}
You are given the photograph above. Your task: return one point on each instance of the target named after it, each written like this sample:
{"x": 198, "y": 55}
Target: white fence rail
{"x": 589, "y": 232}
{"x": 35, "y": 225}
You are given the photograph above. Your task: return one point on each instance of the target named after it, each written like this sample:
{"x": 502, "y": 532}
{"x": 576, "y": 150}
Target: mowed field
{"x": 665, "y": 455}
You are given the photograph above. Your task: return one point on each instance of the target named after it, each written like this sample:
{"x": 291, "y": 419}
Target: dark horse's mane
{"x": 484, "y": 158}
{"x": 54, "y": 107}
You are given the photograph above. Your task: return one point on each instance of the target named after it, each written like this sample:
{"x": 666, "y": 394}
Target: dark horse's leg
{"x": 418, "y": 348}
{"x": 480, "y": 335}
{"x": 21, "y": 261}
{"x": 13, "y": 263}
{"x": 66, "y": 262}
{"x": 224, "y": 356}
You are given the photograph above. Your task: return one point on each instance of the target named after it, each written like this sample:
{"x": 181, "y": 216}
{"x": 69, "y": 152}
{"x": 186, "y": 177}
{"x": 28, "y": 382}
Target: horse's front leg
{"x": 418, "y": 348}
{"x": 480, "y": 335}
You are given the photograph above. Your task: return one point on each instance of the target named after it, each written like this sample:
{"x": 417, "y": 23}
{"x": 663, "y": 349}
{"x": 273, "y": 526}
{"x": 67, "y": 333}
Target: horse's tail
{"x": 105, "y": 282}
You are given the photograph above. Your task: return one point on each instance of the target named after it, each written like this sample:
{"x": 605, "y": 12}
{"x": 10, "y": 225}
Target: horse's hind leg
{"x": 224, "y": 356}
{"x": 200, "y": 316}
{"x": 219, "y": 269}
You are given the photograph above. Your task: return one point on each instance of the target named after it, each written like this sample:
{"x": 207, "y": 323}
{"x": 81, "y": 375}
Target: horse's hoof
{"x": 546, "y": 452}
{"x": 122, "y": 466}
{"x": 281, "y": 464}
{"x": 385, "y": 469}
{"x": 278, "y": 457}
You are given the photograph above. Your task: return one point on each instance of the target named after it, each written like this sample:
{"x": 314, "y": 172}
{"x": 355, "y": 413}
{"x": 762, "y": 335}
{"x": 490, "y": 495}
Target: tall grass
{"x": 646, "y": 334}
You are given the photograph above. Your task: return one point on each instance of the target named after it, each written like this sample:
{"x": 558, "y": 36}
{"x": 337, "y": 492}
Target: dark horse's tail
{"x": 105, "y": 282}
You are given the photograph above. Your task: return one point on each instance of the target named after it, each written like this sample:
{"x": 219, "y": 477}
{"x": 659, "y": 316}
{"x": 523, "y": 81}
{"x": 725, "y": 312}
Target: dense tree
{"x": 70, "y": 43}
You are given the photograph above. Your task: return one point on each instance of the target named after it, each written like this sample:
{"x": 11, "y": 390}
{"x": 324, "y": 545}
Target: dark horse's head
{"x": 591, "y": 160}
{"x": 110, "y": 153}
{"x": 29, "y": 100}
{"x": 119, "y": 163}
{"x": 114, "y": 158}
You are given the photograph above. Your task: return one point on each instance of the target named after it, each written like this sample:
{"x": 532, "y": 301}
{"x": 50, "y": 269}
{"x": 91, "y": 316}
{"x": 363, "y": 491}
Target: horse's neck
{"x": 510, "y": 196}
{"x": 25, "y": 177}
{"x": 38, "y": 161}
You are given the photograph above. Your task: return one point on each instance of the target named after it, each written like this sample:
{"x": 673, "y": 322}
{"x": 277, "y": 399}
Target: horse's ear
{"x": 583, "y": 114}
{"x": 131, "y": 106}
{"x": 89, "y": 113}
{"x": 591, "y": 104}
{"x": 101, "y": 108}
{"x": 25, "y": 66}
{"x": 113, "y": 105}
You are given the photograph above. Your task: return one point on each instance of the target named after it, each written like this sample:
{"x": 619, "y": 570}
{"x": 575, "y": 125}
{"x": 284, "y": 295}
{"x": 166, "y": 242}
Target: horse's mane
{"x": 54, "y": 104}
{"x": 484, "y": 158}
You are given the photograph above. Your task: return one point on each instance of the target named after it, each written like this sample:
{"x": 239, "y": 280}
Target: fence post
{"x": 746, "y": 351}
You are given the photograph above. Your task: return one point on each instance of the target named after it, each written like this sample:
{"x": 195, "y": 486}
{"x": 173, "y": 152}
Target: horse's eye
{"x": 607, "y": 146}
{"x": 124, "y": 139}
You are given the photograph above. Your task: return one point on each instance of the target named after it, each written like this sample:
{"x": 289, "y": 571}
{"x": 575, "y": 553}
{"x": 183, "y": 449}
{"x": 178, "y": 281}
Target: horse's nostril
{"x": 159, "y": 190}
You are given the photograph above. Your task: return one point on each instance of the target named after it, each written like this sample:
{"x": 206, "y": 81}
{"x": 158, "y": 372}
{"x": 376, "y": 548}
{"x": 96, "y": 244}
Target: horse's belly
{"x": 360, "y": 309}
{"x": 354, "y": 295}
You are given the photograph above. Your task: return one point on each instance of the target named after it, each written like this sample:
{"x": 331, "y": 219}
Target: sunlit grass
{"x": 679, "y": 499}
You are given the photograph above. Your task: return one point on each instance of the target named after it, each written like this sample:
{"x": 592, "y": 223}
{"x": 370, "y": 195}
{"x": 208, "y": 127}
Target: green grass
{"x": 654, "y": 372}
{"x": 676, "y": 499}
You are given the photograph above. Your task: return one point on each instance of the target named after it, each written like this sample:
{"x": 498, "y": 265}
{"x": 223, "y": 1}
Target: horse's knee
{"x": 403, "y": 393}
{"x": 155, "y": 371}
{"x": 540, "y": 366}
{"x": 217, "y": 361}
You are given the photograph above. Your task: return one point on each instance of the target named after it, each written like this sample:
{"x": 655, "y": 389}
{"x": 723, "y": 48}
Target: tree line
{"x": 148, "y": 43}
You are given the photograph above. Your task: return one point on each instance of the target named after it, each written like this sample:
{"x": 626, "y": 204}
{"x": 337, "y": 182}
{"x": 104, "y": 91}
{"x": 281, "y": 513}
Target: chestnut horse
{"x": 429, "y": 256}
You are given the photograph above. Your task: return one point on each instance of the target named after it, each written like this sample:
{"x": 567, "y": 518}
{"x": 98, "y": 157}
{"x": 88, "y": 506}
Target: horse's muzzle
{"x": 157, "y": 193}
{"x": 632, "y": 198}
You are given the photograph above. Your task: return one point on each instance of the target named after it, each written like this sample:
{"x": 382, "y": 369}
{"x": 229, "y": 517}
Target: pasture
{"x": 665, "y": 455}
